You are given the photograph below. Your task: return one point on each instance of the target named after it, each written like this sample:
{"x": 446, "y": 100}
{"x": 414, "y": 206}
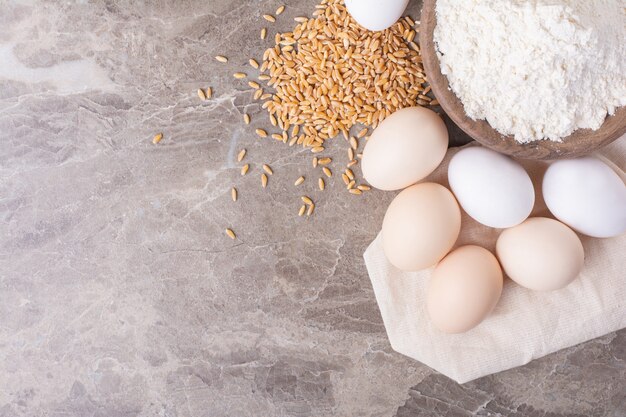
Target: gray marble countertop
{"x": 120, "y": 295}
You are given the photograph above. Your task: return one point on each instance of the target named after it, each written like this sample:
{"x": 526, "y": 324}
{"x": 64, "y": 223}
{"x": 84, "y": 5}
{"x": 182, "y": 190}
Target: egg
{"x": 420, "y": 226}
{"x": 464, "y": 288}
{"x": 587, "y": 195}
{"x": 541, "y": 254}
{"x": 406, "y": 147}
{"x": 492, "y": 188}
{"x": 376, "y": 14}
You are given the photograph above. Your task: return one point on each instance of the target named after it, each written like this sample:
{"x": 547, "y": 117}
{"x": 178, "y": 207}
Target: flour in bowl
{"x": 534, "y": 69}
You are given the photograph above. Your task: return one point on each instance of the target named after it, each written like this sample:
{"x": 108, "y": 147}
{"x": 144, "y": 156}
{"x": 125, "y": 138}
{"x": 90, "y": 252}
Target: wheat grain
{"x": 354, "y": 144}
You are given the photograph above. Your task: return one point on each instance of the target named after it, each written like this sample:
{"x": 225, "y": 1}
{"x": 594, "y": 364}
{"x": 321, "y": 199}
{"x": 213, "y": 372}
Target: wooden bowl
{"x": 580, "y": 142}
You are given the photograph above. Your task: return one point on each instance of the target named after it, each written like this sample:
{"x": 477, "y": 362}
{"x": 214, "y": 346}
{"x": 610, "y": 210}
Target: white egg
{"x": 492, "y": 188}
{"x": 376, "y": 14}
{"x": 587, "y": 195}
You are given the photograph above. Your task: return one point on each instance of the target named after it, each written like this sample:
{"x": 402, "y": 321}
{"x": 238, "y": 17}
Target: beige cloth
{"x": 525, "y": 325}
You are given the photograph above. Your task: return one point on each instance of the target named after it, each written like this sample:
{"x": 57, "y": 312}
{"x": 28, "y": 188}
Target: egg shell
{"x": 492, "y": 188}
{"x": 541, "y": 254}
{"x": 465, "y": 287}
{"x": 587, "y": 195}
{"x": 376, "y": 14}
{"x": 420, "y": 226}
{"x": 406, "y": 147}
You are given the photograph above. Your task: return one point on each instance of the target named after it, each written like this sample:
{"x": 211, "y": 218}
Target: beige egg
{"x": 465, "y": 287}
{"x": 420, "y": 226}
{"x": 404, "y": 149}
{"x": 541, "y": 254}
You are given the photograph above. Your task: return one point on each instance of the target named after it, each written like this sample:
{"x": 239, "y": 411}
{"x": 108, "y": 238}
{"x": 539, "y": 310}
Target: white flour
{"x": 535, "y": 69}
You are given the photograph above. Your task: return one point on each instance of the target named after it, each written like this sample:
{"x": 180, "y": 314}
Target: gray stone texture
{"x": 120, "y": 295}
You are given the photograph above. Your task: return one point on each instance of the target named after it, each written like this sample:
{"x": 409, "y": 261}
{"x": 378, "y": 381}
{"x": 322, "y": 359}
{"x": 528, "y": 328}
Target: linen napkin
{"x": 525, "y": 324}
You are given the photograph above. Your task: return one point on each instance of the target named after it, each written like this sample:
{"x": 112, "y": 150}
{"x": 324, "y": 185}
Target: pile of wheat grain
{"x": 329, "y": 74}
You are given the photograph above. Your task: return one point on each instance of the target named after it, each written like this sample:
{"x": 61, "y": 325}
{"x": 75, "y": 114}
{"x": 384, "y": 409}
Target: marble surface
{"x": 120, "y": 295}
